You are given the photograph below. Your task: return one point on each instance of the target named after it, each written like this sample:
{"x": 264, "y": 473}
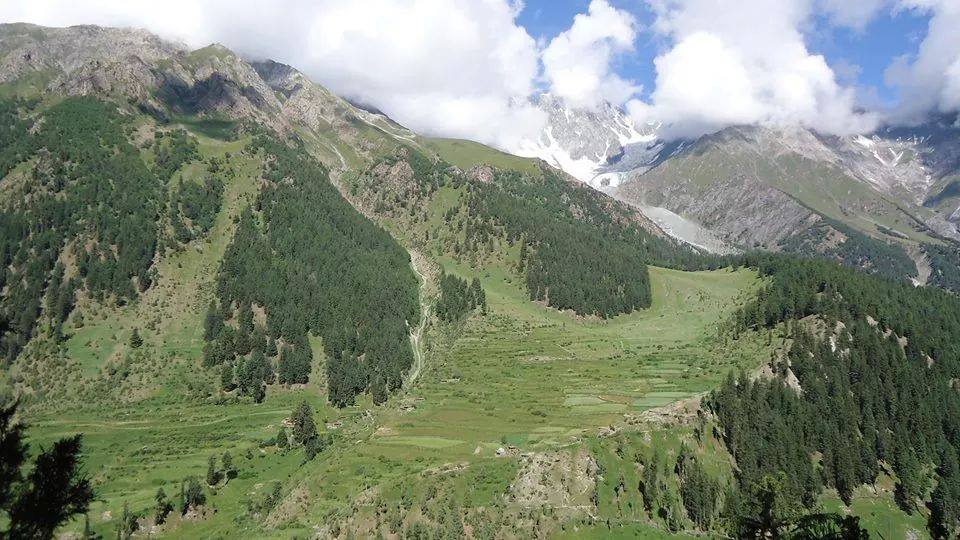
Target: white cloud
{"x": 459, "y": 68}
{"x": 930, "y": 81}
{"x": 577, "y": 62}
{"x": 747, "y": 65}
{"x": 465, "y": 68}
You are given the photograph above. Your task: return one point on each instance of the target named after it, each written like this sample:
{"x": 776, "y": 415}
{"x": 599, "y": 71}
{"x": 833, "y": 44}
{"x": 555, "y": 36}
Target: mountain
{"x": 887, "y": 202}
{"x": 592, "y": 145}
{"x": 271, "y": 313}
{"x": 794, "y": 190}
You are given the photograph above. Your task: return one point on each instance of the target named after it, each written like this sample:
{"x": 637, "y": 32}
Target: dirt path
{"x": 416, "y": 334}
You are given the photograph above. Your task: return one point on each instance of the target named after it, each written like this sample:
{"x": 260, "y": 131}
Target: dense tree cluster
{"x": 700, "y": 491}
{"x": 172, "y": 150}
{"x": 876, "y": 385}
{"x": 14, "y": 143}
{"x": 944, "y": 265}
{"x": 458, "y": 298}
{"x": 579, "y": 250}
{"x": 314, "y": 265}
{"x": 852, "y": 248}
{"x": 87, "y": 196}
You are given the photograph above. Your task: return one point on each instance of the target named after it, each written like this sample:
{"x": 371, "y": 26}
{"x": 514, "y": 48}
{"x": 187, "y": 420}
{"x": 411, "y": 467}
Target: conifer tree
{"x": 213, "y": 475}
{"x": 163, "y": 507}
{"x": 304, "y": 427}
{"x": 135, "y": 340}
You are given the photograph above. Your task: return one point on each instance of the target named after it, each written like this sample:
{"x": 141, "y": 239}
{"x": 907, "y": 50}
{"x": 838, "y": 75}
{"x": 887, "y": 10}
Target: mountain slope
{"x": 759, "y": 187}
{"x": 779, "y": 189}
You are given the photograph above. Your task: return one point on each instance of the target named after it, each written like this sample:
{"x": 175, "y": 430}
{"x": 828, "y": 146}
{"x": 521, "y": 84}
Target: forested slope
{"x": 576, "y": 249}
{"x": 875, "y": 388}
{"x": 313, "y": 264}
{"x": 79, "y": 214}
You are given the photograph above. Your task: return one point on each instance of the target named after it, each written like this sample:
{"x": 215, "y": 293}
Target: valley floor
{"x": 524, "y": 378}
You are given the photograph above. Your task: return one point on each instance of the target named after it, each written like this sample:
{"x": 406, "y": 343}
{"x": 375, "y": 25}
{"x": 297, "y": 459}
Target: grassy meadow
{"x": 523, "y": 376}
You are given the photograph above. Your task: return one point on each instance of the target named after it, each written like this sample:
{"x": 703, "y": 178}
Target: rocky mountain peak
{"x": 589, "y": 143}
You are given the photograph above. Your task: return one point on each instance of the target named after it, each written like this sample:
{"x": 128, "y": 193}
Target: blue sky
{"x": 863, "y": 55}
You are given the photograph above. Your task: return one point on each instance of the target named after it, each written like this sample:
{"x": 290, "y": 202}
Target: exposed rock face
{"x": 757, "y": 186}
{"x": 26, "y": 48}
{"x": 741, "y": 210}
{"x": 303, "y": 102}
{"x": 167, "y": 78}
{"x": 557, "y": 479}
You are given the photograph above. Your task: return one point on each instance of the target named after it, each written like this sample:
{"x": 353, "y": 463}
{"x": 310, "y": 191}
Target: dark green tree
{"x": 53, "y": 492}
{"x": 193, "y": 495}
{"x": 135, "y": 340}
{"x": 282, "y": 440}
{"x": 163, "y": 507}
{"x": 229, "y": 471}
{"x": 226, "y": 377}
{"x": 304, "y": 427}
{"x": 213, "y": 474}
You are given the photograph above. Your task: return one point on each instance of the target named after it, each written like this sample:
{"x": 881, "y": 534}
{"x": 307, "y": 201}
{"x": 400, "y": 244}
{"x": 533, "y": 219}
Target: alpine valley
{"x": 234, "y": 304}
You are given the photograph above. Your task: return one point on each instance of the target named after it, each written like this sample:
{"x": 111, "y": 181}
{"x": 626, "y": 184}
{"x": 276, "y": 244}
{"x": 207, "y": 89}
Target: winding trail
{"x": 416, "y": 334}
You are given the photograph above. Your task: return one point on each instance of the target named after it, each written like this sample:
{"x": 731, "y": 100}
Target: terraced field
{"x": 523, "y": 376}
{"x": 535, "y": 378}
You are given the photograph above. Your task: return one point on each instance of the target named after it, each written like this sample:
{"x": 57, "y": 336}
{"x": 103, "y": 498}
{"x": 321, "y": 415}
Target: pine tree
{"x": 944, "y": 521}
{"x": 304, "y": 427}
{"x": 193, "y": 496}
{"x": 226, "y": 377}
{"x": 128, "y": 524}
{"x": 228, "y": 469}
{"x": 135, "y": 340}
{"x": 282, "y": 441}
{"x": 163, "y": 507}
{"x": 909, "y": 481}
{"x": 213, "y": 475}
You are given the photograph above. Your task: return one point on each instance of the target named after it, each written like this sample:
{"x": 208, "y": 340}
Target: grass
{"x": 213, "y": 128}
{"x": 878, "y": 513}
{"x": 524, "y": 375}
{"x": 468, "y": 154}
{"x": 528, "y": 373}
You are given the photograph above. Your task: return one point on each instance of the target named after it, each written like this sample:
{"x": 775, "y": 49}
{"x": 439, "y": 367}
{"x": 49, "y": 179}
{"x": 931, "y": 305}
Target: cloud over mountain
{"x": 458, "y": 68}
{"x": 466, "y": 68}
{"x": 577, "y": 63}
{"x": 748, "y": 65}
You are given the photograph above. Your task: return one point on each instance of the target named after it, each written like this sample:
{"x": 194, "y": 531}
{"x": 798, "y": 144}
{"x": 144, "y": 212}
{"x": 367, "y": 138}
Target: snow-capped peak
{"x": 589, "y": 144}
